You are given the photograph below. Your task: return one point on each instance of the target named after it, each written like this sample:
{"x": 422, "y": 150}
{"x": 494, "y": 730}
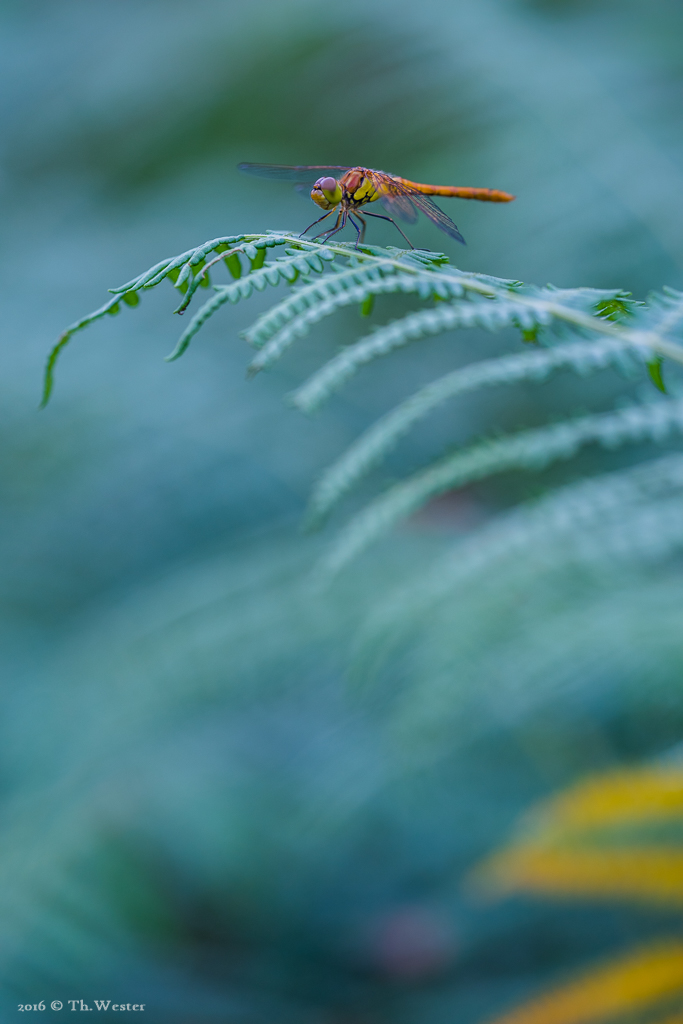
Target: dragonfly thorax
{"x": 359, "y": 187}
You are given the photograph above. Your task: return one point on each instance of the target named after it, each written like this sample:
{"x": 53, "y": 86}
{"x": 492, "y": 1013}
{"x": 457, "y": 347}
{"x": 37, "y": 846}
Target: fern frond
{"x": 414, "y": 271}
{"x": 354, "y": 275}
{"x": 276, "y": 330}
{"x": 112, "y": 307}
{"x": 528, "y": 312}
{"x": 579, "y": 520}
{"x": 307, "y": 298}
{"x": 367, "y": 264}
{"x": 148, "y": 279}
{"x": 268, "y": 274}
{"x": 333, "y": 293}
{"x": 664, "y": 314}
{"x": 179, "y": 270}
{"x": 366, "y": 286}
{"x": 413, "y": 327}
{"x": 376, "y": 442}
{"x": 528, "y": 449}
{"x": 191, "y": 258}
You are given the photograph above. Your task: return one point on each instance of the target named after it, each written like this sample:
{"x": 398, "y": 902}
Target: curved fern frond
{"x": 331, "y": 294}
{"x": 112, "y": 307}
{"x": 529, "y": 449}
{"x": 603, "y": 328}
{"x": 275, "y": 331}
{"x": 665, "y": 312}
{"x": 367, "y": 287}
{"x": 375, "y": 443}
{"x": 528, "y": 315}
{"x": 268, "y": 274}
{"x": 308, "y": 298}
{"x": 484, "y": 313}
{"x": 633, "y": 514}
{"x": 180, "y": 270}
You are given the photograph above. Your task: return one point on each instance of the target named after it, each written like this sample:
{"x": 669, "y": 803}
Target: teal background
{"x": 219, "y": 796}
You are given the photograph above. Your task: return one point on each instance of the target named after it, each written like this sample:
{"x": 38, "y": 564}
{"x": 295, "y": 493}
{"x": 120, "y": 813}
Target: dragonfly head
{"x": 326, "y": 193}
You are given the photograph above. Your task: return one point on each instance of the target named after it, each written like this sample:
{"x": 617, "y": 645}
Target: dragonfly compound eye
{"x": 326, "y": 193}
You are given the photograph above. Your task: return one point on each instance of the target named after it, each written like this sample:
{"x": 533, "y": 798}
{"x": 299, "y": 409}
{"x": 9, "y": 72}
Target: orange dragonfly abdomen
{"x": 489, "y": 195}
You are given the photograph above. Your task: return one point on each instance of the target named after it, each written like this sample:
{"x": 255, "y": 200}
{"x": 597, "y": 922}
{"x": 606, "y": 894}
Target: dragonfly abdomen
{"x": 489, "y": 195}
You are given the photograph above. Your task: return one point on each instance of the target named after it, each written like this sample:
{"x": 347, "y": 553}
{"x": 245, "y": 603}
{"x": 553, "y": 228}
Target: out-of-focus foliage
{"x": 647, "y": 980}
{"x": 612, "y": 836}
{"x": 225, "y": 795}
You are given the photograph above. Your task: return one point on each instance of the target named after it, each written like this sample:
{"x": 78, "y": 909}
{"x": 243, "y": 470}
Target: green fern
{"x": 376, "y": 442}
{"x": 529, "y": 449}
{"x": 580, "y": 329}
{"x": 629, "y": 517}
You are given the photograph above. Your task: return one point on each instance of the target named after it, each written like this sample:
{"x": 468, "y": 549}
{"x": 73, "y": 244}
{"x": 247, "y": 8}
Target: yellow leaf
{"x": 635, "y": 982}
{"x": 624, "y": 797}
{"x": 648, "y": 874}
{"x": 628, "y": 795}
{"x": 593, "y": 841}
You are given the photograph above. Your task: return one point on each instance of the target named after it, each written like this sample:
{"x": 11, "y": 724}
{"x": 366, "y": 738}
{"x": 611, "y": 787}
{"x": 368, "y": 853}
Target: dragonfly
{"x": 347, "y": 190}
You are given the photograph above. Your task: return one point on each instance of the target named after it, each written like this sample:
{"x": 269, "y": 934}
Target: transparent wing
{"x": 401, "y": 207}
{"x": 304, "y": 174}
{"x": 394, "y": 190}
{"x": 437, "y": 216}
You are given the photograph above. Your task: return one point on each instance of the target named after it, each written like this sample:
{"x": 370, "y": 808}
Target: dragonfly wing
{"x": 394, "y": 190}
{"x": 305, "y": 174}
{"x": 399, "y": 206}
{"x": 437, "y": 216}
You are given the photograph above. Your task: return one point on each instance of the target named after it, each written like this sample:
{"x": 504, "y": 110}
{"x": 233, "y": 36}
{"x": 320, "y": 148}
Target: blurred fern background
{"x": 225, "y": 796}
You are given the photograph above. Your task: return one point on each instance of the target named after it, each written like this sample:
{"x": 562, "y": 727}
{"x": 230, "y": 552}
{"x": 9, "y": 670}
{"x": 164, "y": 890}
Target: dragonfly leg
{"x": 365, "y": 224}
{"x": 326, "y": 233}
{"x": 360, "y": 231}
{"x": 337, "y": 227}
{"x": 380, "y": 217}
{"x": 324, "y": 216}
